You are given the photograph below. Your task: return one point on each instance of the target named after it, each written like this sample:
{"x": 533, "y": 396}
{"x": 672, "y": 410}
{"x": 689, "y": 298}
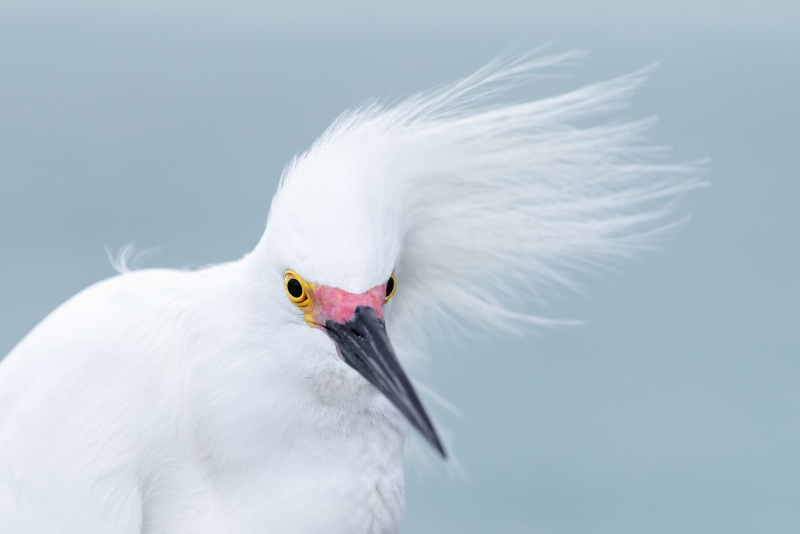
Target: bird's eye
{"x": 295, "y": 289}
{"x": 391, "y": 285}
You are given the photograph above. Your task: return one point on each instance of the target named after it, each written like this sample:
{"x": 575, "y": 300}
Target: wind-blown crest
{"x": 489, "y": 204}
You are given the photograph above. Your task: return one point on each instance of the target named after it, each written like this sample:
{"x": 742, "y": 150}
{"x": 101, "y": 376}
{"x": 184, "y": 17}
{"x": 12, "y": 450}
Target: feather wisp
{"x": 495, "y": 204}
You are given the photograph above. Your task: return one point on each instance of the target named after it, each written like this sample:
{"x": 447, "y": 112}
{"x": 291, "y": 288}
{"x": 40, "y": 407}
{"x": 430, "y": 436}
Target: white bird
{"x": 264, "y": 395}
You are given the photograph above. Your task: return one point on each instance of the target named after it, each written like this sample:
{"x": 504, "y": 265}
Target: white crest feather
{"x": 497, "y": 203}
{"x": 128, "y": 258}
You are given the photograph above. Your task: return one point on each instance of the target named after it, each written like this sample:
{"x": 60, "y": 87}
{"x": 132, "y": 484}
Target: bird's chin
{"x": 338, "y": 386}
{"x": 339, "y": 354}
{"x": 324, "y": 330}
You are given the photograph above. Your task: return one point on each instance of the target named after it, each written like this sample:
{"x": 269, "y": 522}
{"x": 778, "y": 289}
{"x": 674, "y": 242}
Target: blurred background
{"x": 674, "y": 409}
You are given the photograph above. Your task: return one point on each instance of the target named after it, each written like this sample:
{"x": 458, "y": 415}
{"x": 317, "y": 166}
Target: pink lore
{"x": 340, "y": 306}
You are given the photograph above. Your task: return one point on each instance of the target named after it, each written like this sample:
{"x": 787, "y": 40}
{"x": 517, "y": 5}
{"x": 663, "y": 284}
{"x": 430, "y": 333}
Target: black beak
{"x": 365, "y": 346}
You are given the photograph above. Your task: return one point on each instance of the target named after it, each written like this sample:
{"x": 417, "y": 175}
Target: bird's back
{"x": 86, "y": 401}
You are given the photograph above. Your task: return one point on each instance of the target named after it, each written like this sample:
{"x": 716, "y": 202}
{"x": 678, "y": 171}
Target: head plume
{"x": 478, "y": 206}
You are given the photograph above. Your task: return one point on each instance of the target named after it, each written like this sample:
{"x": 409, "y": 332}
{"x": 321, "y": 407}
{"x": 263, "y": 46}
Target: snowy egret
{"x": 264, "y": 394}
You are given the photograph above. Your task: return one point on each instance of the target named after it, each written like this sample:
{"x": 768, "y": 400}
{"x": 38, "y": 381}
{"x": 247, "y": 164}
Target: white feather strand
{"x": 500, "y": 203}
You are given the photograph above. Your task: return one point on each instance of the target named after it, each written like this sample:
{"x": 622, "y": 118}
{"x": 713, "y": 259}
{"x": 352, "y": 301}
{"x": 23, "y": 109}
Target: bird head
{"x": 450, "y": 209}
{"x": 334, "y": 246}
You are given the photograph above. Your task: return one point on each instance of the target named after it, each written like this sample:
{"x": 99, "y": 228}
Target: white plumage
{"x": 203, "y": 401}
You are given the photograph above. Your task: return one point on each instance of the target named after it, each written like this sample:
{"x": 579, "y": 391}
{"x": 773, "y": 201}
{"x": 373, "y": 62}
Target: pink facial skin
{"x": 331, "y": 303}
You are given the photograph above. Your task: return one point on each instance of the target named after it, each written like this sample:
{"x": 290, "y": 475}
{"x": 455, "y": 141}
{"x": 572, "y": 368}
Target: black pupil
{"x": 295, "y": 288}
{"x": 389, "y": 286}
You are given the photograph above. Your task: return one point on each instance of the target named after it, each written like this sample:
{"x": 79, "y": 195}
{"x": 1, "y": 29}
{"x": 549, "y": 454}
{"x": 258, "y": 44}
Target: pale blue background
{"x": 676, "y": 409}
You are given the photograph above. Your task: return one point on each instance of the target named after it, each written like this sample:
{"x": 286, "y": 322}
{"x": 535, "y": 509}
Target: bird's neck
{"x": 279, "y": 431}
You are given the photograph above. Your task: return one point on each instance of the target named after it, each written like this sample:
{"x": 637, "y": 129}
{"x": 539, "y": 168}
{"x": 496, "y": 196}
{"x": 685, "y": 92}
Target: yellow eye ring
{"x": 391, "y": 287}
{"x": 296, "y": 289}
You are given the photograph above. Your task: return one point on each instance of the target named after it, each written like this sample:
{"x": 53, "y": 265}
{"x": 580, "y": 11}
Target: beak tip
{"x": 440, "y": 449}
{"x": 433, "y": 439}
